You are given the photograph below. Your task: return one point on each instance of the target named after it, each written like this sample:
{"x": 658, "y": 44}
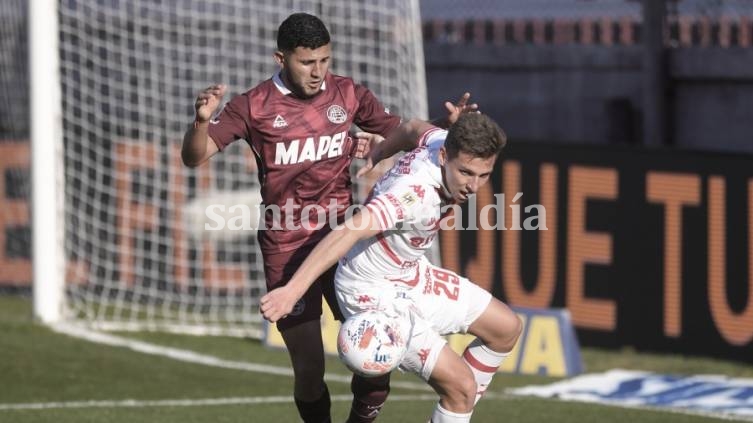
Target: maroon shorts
{"x": 280, "y": 267}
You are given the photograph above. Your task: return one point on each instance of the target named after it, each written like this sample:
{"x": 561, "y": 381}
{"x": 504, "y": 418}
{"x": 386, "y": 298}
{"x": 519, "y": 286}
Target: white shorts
{"x": 434, "y": 300}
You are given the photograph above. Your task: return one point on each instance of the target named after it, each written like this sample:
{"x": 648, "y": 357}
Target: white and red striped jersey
{"x": 406, "y": 203}
{"x": 390, "y": 272}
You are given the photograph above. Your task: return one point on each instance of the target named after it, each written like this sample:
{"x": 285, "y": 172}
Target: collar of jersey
{"x": 283, "y": 89}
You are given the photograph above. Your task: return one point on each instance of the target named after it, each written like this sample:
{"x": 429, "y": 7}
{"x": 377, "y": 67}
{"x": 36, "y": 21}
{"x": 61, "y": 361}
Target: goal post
{"x": 46, "y": 162}
{"x": 120, "y": 225}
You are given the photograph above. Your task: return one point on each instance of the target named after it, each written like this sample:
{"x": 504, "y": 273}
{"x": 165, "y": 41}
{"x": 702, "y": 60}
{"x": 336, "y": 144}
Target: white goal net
{"x": 137, "y": 254}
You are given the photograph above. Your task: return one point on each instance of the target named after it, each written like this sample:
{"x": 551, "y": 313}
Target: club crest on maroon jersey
{"x": 336, "y": 114}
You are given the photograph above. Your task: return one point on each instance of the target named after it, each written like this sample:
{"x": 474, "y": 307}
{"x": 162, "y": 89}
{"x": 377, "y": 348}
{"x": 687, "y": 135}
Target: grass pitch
{"x": 50, "y": 377}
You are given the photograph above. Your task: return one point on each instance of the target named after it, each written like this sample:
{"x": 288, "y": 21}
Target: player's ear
{"x": 442, "y": 156}
{"x": 280, "y": 58}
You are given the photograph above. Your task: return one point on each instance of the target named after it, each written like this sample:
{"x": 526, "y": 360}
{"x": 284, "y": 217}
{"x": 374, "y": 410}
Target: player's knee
{"x": 461, "y": 395}
{"x": 309, "y": 375}
{"x": 507, "y": 333}
{"x": 511, "y": 332}
{"x": 469, "y": 391}
{"x": 308, "y": 389}
{"x": 516, "y": 330}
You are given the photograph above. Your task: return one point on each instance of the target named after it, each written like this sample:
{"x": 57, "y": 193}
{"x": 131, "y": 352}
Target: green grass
{"x": 38, "y": 365}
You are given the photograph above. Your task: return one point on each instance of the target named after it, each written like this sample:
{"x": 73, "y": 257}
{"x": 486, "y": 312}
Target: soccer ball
{"x": 372, "y": 344}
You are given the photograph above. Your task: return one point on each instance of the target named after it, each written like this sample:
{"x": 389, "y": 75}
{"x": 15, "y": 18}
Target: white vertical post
{"x": 46, "y": 161}
{"x": 419, "y": 89}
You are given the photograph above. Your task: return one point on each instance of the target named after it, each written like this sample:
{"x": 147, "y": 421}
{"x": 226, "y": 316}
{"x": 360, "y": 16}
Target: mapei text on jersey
{"x": 311, "y": 149}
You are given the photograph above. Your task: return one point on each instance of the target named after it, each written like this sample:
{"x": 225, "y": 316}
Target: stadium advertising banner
{"x": 714, "y": 395}
{"x": 646, "y": 248}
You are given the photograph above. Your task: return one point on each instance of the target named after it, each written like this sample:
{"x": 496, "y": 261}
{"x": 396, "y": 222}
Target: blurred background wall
{"x": 573, "y": 71}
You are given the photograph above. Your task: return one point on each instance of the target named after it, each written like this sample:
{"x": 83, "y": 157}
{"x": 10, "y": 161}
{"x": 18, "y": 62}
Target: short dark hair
{"x": 475, "y": 134}
{"x": 301, "y": 30}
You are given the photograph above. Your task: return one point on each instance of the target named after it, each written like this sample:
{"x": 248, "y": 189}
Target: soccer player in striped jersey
{"x": 382, "y": 263}
{"x": 297, "y": 125}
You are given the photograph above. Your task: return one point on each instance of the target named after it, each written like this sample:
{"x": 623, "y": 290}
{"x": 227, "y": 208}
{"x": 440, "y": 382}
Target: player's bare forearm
{"x": 194, "y": 144}
{"x": 277, "y": 303}
{"x": 403, "y": 138}
{"x": 326, "y": 254}
{"x": 406, "y": 136}
{"x": 197, "y": 145}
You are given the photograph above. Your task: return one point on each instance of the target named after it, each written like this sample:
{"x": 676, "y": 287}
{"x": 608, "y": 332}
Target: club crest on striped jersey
{"x": 408, "y": 199}
{"x": 336, "y": 114}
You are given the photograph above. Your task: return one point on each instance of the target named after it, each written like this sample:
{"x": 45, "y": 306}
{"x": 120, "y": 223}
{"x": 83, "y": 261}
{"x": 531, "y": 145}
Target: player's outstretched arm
{"x": 277, "y": 303}
{"x": 403, "y": 138}
{"x": 406, "y": 136}
{"x": 197, "y": 145}
{"x": 366, "y": 141}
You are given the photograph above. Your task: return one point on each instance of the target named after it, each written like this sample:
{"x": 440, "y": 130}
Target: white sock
{"x": 443, "y": 416}
{"x": 483, "y": 363}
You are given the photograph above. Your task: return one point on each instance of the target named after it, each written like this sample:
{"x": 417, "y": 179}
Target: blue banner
{"x": 713, "y": 395}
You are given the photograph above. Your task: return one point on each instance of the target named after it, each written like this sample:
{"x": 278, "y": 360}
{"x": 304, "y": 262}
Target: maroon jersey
{"x": 303, "y": 151}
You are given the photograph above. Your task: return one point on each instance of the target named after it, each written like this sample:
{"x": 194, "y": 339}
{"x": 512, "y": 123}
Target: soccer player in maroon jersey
{"x": 297, "y": 125}
{"x": 382, "y": 266}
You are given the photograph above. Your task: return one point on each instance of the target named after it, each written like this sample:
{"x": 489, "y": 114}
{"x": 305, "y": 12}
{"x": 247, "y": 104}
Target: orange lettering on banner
{"x": 15, "y": 212}
{"x": 674, "y": 191}
{"x": 132, "y": 216}
{"x": 18, "y": 271}
{"x": 77, "y": 272}
{"x": 480, "y": 268}
{"x": 512, "y": 279}
{"x": 735, "y": 328}
{"x": 215, "y": 274}
{"x": 585, "y": 247}
{"x": 178, "y": 199}
{"x": 221, "y": 275}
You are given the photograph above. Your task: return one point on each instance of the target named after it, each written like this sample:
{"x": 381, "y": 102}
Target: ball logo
{"x": 366, "y": 337}
{"x": 377, "y": 368}
{"x": 371, "y": 343}
{"x": 336, "y": 114}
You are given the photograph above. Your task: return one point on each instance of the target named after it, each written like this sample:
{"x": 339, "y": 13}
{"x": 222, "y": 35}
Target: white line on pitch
{"x": 208, "y": 360}
{"x": 189, "y": 402}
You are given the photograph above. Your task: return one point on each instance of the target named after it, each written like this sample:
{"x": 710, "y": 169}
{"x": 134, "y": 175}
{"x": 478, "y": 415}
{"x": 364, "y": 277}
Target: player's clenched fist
{"x": 277, "y": 303}
{"x": 208, "y": 101}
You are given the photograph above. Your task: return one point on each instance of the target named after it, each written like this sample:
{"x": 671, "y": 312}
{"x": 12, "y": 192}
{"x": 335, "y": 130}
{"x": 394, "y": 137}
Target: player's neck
{"x": 294, "y": 91}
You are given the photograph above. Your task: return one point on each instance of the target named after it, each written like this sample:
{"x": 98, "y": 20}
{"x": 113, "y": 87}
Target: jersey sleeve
{"x": 232, "y": 123}
{"x": 433, "y": 138}
{"x": 371, "y": 115}
{"x": 398, "y": 204}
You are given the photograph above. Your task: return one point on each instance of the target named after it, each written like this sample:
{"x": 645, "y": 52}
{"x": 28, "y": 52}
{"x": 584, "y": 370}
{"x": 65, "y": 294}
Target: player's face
{"x": 304, "y": 69}
{"x": 464, "y": 174}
